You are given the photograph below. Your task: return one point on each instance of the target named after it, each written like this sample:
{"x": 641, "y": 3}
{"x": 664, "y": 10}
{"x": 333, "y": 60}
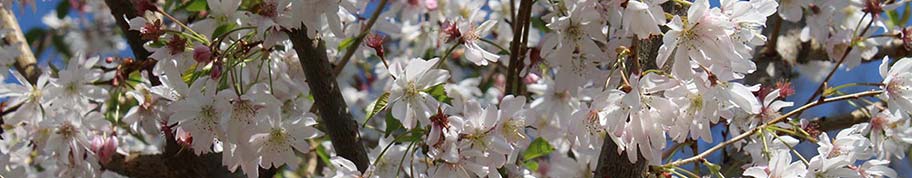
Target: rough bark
{"x": 25, "y": 63}
{"x": 614, "y": 165}
{"x": 123, "y": 11}
{"x": 341, "y": 128}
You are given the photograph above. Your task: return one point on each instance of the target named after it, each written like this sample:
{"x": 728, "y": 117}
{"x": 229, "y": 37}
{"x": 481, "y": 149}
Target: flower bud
{"x": 104, "y": 148}
{"x": 202, "y": 54}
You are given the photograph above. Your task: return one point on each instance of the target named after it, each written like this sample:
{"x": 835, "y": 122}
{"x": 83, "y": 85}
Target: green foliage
{"x": 538, "y": 148}
{"x": 376, "y": 107}
{"x": 439, "y": 93}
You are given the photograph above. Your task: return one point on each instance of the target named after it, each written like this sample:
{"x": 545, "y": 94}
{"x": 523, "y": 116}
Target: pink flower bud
{"x": 376, "y": 42}
{"x": 104, "y": 148}
{"x": 430, "y": 4}
{"x": 531, "y": 78}
{"x": 202, "y": 54}
{"x": 216, "y": 71}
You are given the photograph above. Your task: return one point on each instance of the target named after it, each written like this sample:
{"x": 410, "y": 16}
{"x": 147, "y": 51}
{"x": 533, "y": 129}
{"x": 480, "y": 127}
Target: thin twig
{"x": 357, "y": 41}
{"x": 735, "y": 139}
{"x": 820, "y": 88}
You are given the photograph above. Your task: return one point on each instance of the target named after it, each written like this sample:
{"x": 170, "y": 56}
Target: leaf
{"x": 221, "y": 30}
{"x": 539, "y": 147}
{"x": 715, "y": 169}
{"x": 540, "y": 25}
{"x": 345, "y": 43}
{"x": 63, "y": 8}
{"x": 413, "y": 135}
{"x": 377, "y": 106}
{"x": 893, "y": 17}
{"x": 321, "y": 152}
{"x": 392, "y": 124}
{"x": 531, "y": 165}
{"x": 196, "y": 5}
{"x": 439, "y": 93}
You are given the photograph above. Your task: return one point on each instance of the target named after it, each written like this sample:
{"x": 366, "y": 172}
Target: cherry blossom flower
{"x": 31, "y": 98}
{"x": 898, "y": 84}
{"x": 780, "y": 165}
{"x": 410, "y": 103}
{"x": 890, "y": 134}
{"x": 471, "y": 36}
{"x": 643, "y": 18}
{"x": 201, "y": 114}
{"x": 704, "y": 39}
{"x": 74, "y": 88}
{"x": 275, "y": 145}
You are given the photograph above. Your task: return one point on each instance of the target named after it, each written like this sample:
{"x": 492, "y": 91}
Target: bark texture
{"x": 341, "y": 128}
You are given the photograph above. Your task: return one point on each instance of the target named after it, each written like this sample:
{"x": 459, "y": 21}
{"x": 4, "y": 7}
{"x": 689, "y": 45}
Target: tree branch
{"x": 611, "y": 164}
{"x": 845, "y": 120}
{"x": 341, "y": 128}
{"x": 747, "y": 134}
{"x": 124, "y": 9}
{"x": 357, "y": 41}
{"x": 517, "y": 47}
{"x": 25, "y": 63}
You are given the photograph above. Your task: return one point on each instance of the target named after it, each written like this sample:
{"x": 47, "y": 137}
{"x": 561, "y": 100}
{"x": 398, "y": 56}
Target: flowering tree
{"x": 462, "y": 88}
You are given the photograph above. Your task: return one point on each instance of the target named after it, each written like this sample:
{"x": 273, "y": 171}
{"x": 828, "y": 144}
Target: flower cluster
{"x": 466, "y": 88}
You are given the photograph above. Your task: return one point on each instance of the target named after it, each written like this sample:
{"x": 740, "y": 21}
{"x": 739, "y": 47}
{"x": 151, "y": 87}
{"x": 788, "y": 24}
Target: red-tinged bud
{"x": 184, "y": 138}
{"x": 873, "y": 7}
{"x": 376, "y": 42}
{"x": 785, "y": 89}
{"x": 202, "y": 54}
{"x": 177, "y": 45}
{"x": 104, "y": 148}
{"x": 531, "y": 78}
{"x": 141, "y": 6}
{"x": 216, "y": 71}
{"x": 267, "y": 9}
{"x": 451, "y": 31}
{"x": 440, "y": 120}
{"x": 906, "y": 36}
{"x": 152, "y": 31}
{"x": 109, "y": 60}
{"x": 534, "y": 56}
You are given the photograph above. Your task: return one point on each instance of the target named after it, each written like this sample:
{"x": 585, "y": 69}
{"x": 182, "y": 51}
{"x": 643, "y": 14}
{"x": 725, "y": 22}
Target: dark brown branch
{"x": 517, "y": 47}
{"x": 612, "y": 164}
{"x": 341, "y": 128}
{"x": 124, "y": 9}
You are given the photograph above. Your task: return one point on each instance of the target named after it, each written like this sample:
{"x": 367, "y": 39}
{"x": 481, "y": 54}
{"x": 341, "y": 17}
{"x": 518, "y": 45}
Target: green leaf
{"x": 539, "y": 147}
{"x": 439, "y": 93}
{"x": 345, "y": 43}
{"x": 219, "y": 31}
{"x": 321, "y": 152}
{"x": 63, "y": 8}
{"x": 376, "y": 107}
{"x": 540, "y": 25}
{"x": 715, "y": 169}
{"x": 532, "y": 165}
{"x": 894, "y": 18}
{"x": 905, "y": 17}
{"x": 196, "y": 5}
{"x": 413, "y": 135}
{"x": 392, "y": 124}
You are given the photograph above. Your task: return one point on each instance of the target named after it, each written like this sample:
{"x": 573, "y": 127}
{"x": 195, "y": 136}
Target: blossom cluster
{"x": 432, "y": 94}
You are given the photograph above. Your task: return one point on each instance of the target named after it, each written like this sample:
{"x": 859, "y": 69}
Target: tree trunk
{"x": 614, "y": 165}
